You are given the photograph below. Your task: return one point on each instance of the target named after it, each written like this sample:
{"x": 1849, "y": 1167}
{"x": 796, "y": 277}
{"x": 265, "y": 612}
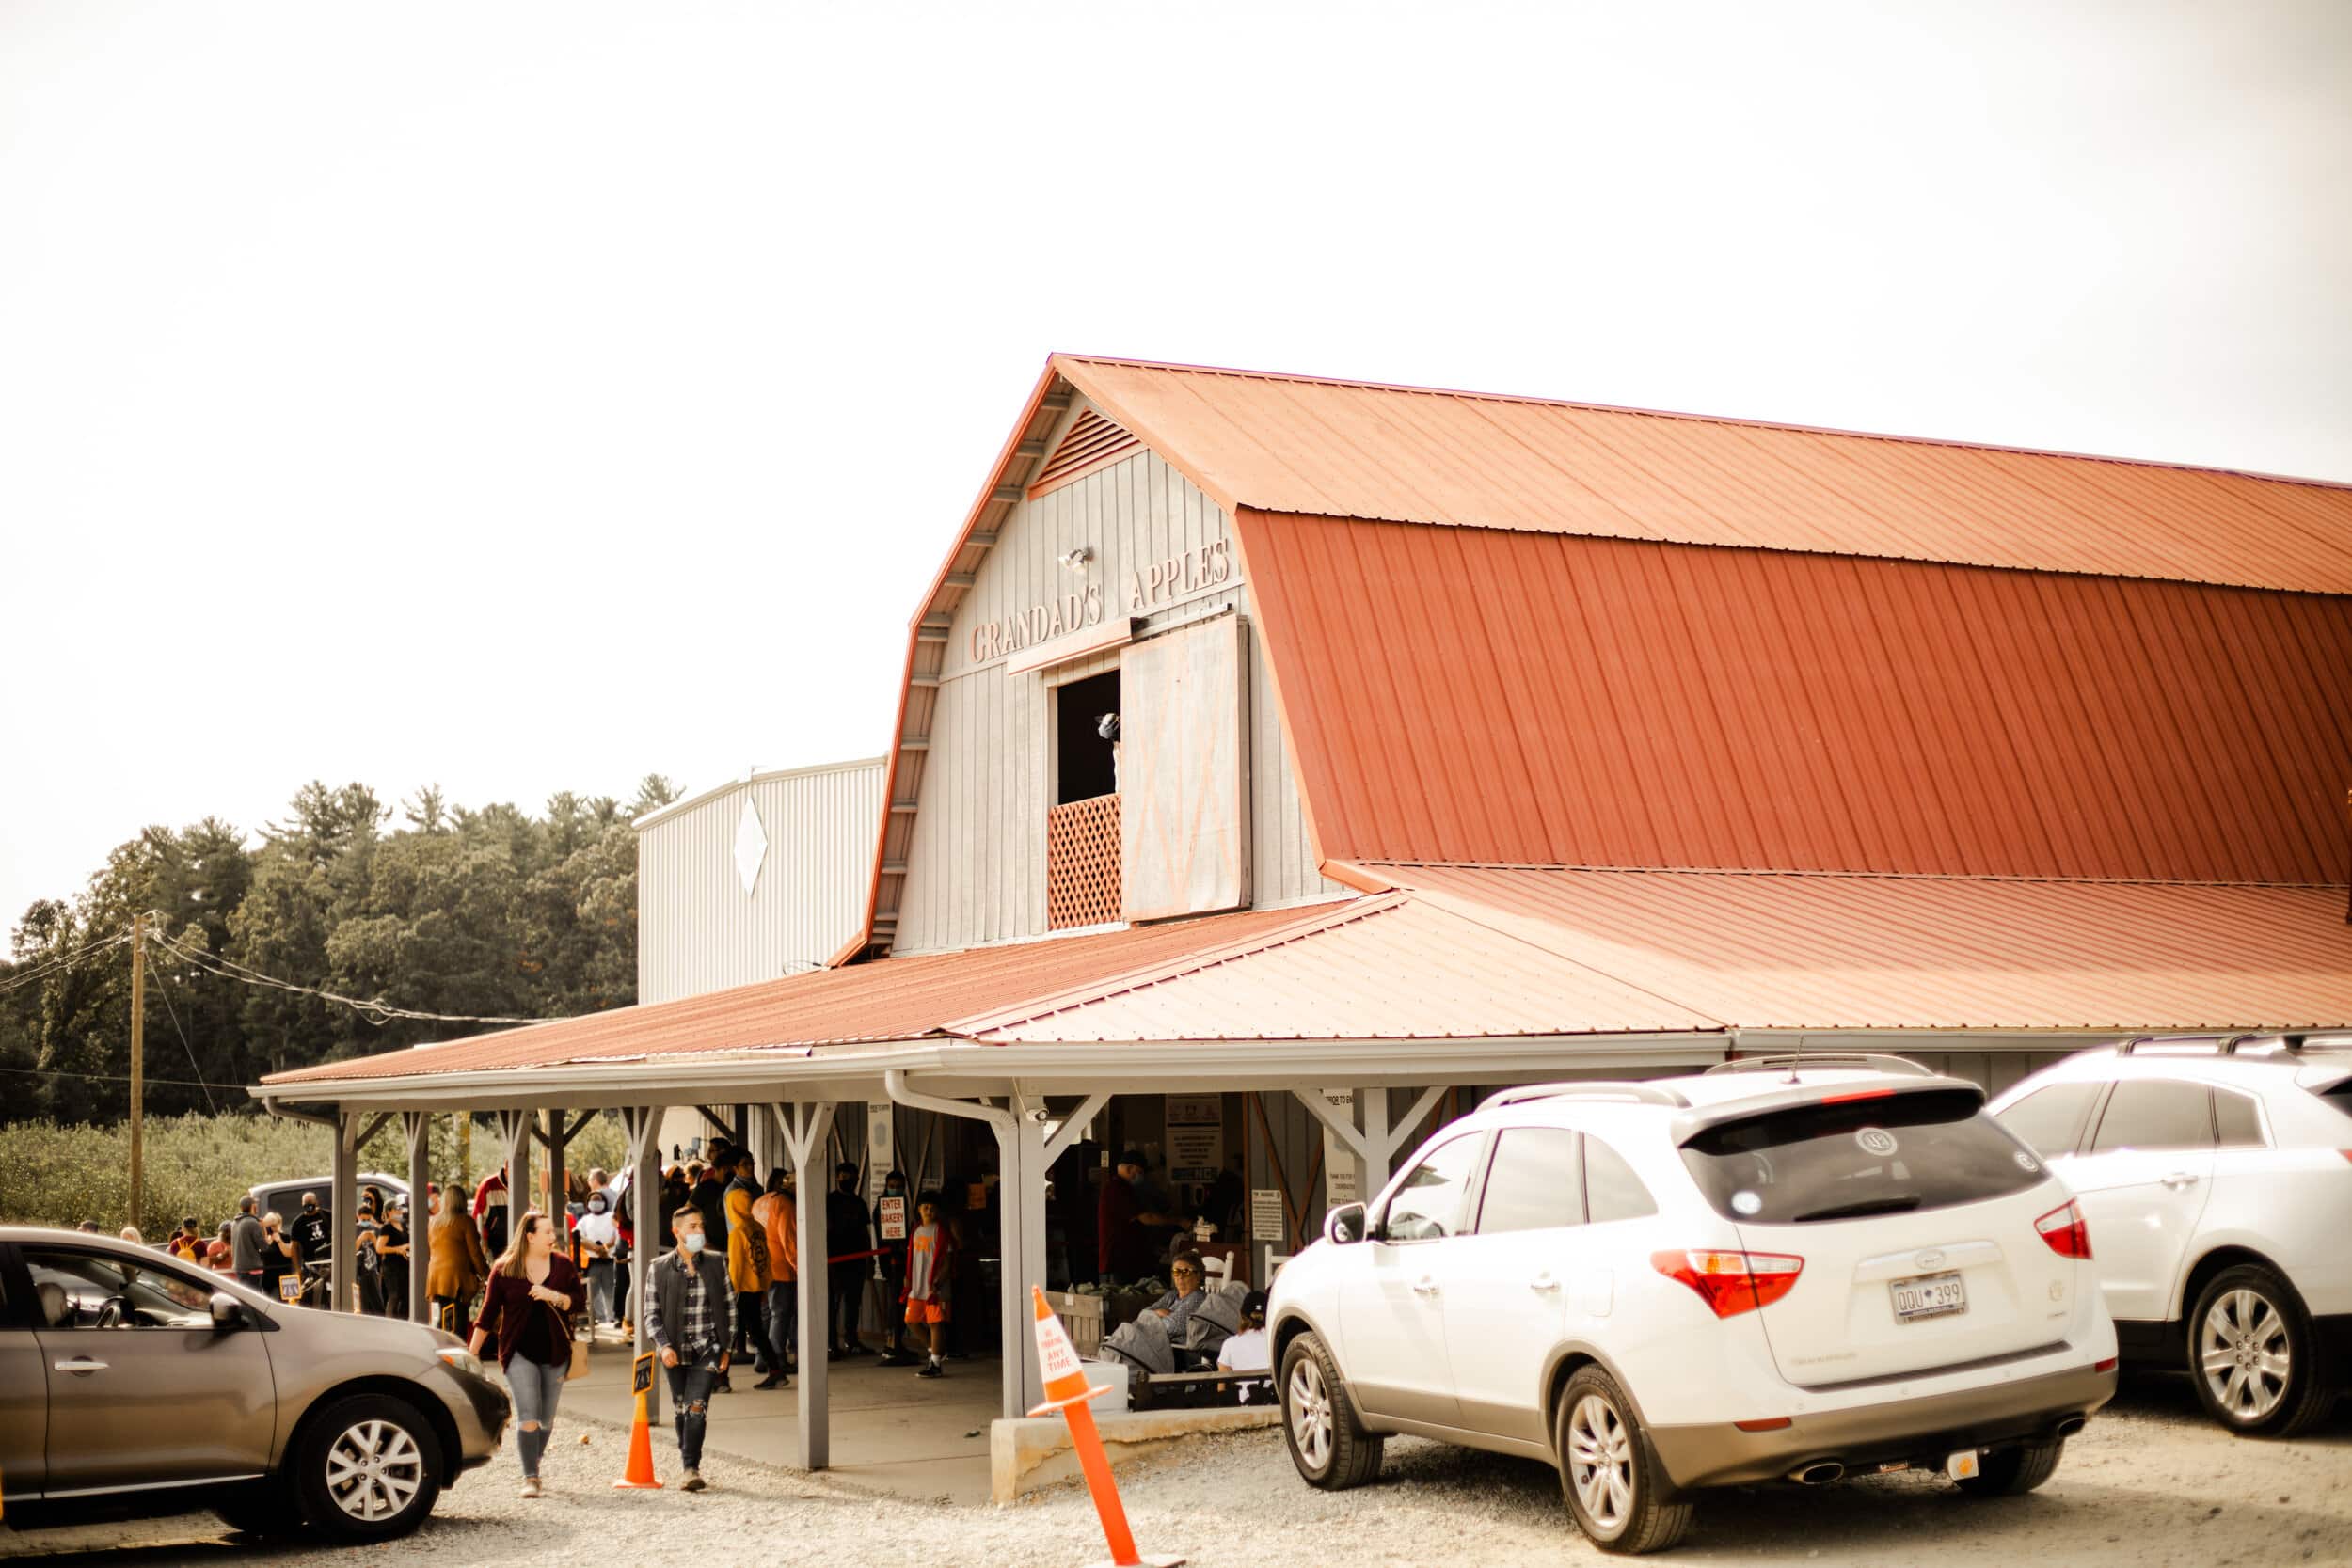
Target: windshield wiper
{"x": 1896, "y": 1204}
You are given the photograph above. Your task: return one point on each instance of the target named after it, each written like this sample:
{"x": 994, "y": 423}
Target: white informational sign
{"x": 881, "y": 1130}
{"x": 894, "y": 1219}
{"x": 1343, "y": 1178}
{"x": 1196, "y": 1137}
{"x": 1267, "y": 1220}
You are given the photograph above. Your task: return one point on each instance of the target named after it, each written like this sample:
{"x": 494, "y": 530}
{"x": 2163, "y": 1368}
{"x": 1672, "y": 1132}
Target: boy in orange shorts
{"x": 930, "y": 1273}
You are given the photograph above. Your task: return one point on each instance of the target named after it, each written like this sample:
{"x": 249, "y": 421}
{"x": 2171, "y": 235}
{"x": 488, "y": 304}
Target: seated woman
{"x": 1177, "y": 1304}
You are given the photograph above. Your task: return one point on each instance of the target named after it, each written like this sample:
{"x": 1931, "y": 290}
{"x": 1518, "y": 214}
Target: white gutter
{"x": 895, "y": 1085}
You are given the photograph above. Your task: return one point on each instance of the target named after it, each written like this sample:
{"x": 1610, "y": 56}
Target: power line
{"x": 99, "y": 1077}
{"x": 377, "y": 1013}
{"x": 47, "y": 967}
{"x": 163, "y": 987}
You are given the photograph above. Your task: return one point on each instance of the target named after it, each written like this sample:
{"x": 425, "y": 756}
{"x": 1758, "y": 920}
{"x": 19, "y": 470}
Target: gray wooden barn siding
{"x": 975, "y": 868}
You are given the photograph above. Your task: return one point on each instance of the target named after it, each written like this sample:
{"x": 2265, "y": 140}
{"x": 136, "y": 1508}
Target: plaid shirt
{"x": 701, "y": 1336}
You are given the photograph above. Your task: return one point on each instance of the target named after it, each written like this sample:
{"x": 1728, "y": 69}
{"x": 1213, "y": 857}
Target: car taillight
{"x": 2065, "y": 1230}
{"x": 1732, "y": 1282}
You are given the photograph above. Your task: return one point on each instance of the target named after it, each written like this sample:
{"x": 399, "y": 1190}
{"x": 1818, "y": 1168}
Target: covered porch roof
{"x": 1464, "y": 974}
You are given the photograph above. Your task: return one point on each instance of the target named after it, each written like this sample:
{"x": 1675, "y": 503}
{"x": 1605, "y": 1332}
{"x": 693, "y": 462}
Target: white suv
{"x": 2217, "y": 1173}
{"x": 1791, "y": 1270}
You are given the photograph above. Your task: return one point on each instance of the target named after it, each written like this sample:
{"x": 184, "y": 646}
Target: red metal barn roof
{"x": 1259, "y": 444}
{"x": 1762, "y": 951}
{"x": 1286, "y": 443}
{"x": 1497, "y": 696}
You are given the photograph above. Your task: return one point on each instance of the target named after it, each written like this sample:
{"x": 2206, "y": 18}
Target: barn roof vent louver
{"x": 1091, "y": 442}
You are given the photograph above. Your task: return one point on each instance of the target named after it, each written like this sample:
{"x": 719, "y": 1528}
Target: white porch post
{"x": 1377, "y": 1143}
{"x": 642, "y": 1125}
{"x": 806, "y": 1129}
{"x": 1378, "y": 1147}
{"x": 515, "y": 1128}
{"x": 417, "y": 1125}
{"x": 1026, "y": 1154}
{"x": 343, "y": 1204}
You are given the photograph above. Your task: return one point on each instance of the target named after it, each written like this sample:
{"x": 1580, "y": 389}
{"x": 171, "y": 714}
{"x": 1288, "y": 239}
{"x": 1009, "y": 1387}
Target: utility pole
{"x": 139, "y": 1055}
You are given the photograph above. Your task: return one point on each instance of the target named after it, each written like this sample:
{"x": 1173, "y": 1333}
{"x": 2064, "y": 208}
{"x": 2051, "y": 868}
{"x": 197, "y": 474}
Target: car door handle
{"x": 80, "y": 1364}
{"x": 1425, "y": 1286}
{"x": 1543, "y": 1282}
{"x": 2180, "y": 1178}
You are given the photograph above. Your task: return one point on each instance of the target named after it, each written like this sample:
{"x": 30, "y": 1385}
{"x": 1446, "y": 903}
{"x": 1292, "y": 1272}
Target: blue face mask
{"x": 691, "y": 1240}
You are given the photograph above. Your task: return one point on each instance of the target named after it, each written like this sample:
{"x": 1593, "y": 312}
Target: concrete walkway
{"x": 892, "y": 1431}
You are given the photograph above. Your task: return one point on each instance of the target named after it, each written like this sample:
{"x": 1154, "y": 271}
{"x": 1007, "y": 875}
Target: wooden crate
{"x": 1082, "y": 1315}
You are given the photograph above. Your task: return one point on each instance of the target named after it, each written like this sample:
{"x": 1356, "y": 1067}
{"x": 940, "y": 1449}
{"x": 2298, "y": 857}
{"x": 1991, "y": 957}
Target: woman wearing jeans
{"x": 533, "y": 1289}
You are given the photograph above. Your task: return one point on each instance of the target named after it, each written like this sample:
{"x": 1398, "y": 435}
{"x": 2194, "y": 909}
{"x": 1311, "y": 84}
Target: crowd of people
{"x": 724, "y": 1291}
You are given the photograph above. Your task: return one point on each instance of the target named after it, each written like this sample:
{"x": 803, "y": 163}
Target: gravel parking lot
{"x": 2148, "y": 1483}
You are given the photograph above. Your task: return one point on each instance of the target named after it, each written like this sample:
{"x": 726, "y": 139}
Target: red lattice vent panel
{"x": 1082, "y": 863}
{"x": 1093, "y": 442}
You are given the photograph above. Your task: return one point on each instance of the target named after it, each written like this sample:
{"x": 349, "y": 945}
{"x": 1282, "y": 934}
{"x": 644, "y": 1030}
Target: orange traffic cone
{"x": 1066, "y": 1391}
{"x": 640, "y": 1472}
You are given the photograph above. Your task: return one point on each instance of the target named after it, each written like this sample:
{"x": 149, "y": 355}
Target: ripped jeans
{"x": 690, "y": 1383}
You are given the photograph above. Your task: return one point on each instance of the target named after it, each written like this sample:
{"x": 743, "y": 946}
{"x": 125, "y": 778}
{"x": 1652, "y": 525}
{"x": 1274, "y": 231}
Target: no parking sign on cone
{"x": 1066, "y": 1391}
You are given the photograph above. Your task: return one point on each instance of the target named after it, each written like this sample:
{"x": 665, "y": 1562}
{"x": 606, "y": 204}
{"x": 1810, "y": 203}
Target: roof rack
{"x": 1794, "y": 1060}
{"x": 2221, "y": 1045}
{"x": 1646, "y": 1094}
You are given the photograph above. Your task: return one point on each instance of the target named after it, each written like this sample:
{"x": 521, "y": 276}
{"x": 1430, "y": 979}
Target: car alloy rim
{"x": 2244, "y": 1355}
{"x": 1311, "y": 1413}
{"x": 374, "y": 1470}
{"x": 1600, "y": 1462}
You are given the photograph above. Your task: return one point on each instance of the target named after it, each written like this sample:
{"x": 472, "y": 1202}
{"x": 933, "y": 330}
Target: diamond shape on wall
{"x": 751, "y": 848}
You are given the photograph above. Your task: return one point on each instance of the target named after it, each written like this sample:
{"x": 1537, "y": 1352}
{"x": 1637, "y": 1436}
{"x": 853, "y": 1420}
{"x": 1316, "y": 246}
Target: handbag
{"x": 579, "y": 1367}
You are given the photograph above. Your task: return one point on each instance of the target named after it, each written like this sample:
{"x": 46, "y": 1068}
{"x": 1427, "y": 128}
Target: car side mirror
{"x": 229, "y": 1312}
{"x": 1344, "y": 1224}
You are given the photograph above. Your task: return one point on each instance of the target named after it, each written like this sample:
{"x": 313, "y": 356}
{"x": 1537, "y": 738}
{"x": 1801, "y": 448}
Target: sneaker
{"x": 932, "y": 1368}
{"x": 896, "y": 1358}
{"x": 530, "y": 1487}
{"x": 693, "y": 1482}
{"x": 773, "y": 1380}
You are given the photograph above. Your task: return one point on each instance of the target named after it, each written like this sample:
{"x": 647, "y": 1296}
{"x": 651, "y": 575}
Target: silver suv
{"x": 132, "y": 1383}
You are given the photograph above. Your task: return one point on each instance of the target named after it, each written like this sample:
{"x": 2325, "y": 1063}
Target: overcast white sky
{"x": 530, "y": 396}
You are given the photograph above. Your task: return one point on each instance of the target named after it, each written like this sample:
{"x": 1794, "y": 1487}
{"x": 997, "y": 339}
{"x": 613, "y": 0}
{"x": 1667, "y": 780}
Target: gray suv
{"x": 132, "y": 1383}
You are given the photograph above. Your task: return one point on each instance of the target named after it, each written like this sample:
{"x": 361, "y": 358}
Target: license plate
{"x": 1930, "y": 1295}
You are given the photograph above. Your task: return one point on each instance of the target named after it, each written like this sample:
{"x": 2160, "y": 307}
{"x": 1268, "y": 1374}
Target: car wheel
{"x": 369, "y": 1468}
{"x": 1613, "y": 1483}
{"x": 258, "y": 1507}
{"x": 2254, "y": 1357}
{"x": 2013, "y": 1472}
{"x": 1328, "y": 1442}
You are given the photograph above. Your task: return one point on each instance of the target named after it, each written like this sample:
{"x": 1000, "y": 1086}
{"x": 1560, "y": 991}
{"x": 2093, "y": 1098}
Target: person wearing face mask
{"x": 781, "y": 1225}
{"x": 690, "y": 1320}
{"x": 892, "y": 1265}
{"x": 846, "y": 1236}
{"x": 599, "y": 1238}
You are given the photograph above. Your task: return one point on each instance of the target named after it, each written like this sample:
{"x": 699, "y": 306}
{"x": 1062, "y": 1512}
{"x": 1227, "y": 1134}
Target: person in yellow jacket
{"x": 748, "y": 1270}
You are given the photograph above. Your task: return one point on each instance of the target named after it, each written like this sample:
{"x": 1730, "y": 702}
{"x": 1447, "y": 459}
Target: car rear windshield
{"x": 1854, "y": 1159}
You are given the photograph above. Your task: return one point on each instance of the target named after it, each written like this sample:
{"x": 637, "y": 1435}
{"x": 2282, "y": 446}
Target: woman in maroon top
{"x": 533, "y": 1289}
